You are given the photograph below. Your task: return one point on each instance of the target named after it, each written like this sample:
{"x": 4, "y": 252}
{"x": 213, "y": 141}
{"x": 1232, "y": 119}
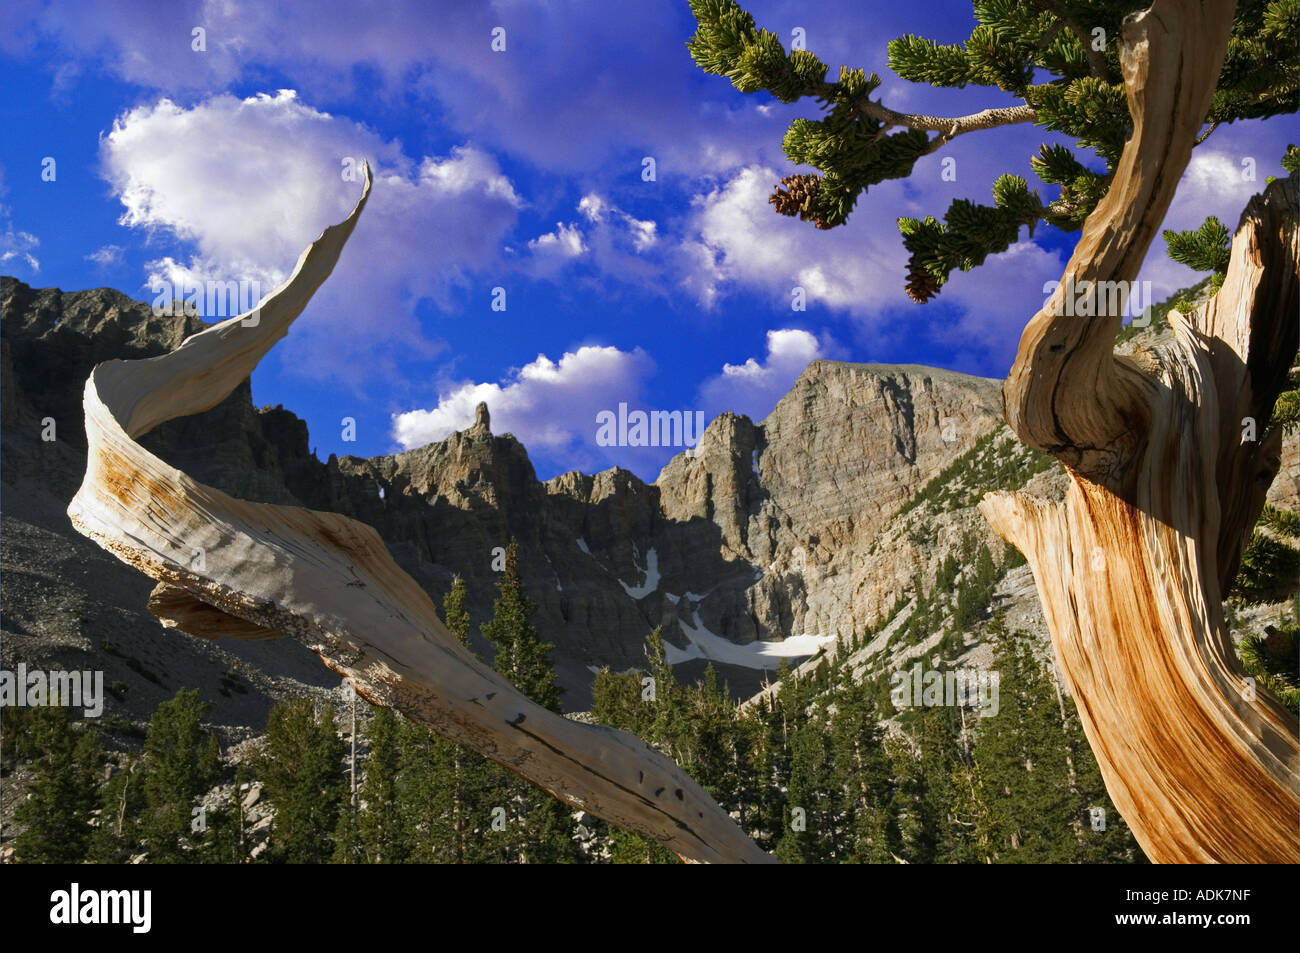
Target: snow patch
{"x": 582, "y": 544}
{"x": 651, "y": 577}
{"x": 704, "y": 644}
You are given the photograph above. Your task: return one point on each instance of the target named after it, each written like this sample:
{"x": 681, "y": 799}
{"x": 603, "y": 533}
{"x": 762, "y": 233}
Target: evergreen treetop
{"x": 521, "y": 655}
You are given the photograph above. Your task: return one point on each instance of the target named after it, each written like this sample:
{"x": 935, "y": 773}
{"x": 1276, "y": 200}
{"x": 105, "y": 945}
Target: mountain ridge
{"x": 757, "y": 534}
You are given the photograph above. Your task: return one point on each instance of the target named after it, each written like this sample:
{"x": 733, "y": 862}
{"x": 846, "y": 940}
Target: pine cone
{"x": 798, "y": 197}
{"x": 921, "y": 285}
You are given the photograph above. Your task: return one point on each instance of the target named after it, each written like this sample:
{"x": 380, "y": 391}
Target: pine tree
{"x": 650, "y": 707}
{"x": 1270, "y": 562}
{"x": 617, "y": 701}
{"x": 378, "y": 823}
{"x": 302, "y": 771}
{"x": 540, "y": 827}
{"x": 1271, "y": 659}
{"x": 1039, "y": 778}
{"x": 862, "y": 779}
{"x": 179, "y": 765}
{"x": 63, "y": 790}
{"x": 444, "y": 796}
{"x": 811, "y": 826}
{"x": 347, "y": 837}
{"x": 520, "y": 655}
{"x": 939, "y": 735}
{"x": 219, "y": 842}
{"x": 473, "y": 783}
{"x": 440, "y": 783}
{"x": 121, "y": 806}
{"x": 227, "y": 842}
{"x": 917, "y": 825}
{"x": 709, "y": 756}
{"x": 770, "y": 764}
{"x": 454, "y": 613}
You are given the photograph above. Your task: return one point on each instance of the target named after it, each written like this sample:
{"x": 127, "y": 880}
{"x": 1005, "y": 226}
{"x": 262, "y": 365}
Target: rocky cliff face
{"x": 762, "y": 532}
{"x": 766, "y": 539}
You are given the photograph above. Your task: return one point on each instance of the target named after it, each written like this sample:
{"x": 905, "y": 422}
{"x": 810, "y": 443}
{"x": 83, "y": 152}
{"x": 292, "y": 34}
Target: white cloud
{"x": 613, "y": 242}
{"x": 108, "y": 255}
{"x": 644, "y": 233}
{"x": 998, "y": 298}
{"x": 598, "y": 210}
{"x": 566, "y": 241}
{"x": 1214, "y": 183}
{"x": 467, "y": 171}
{"x": 754, "y": 387}
{"x": 250, "y": 182}
{"x": 735, "y": 238}
{"x": 17, "y": 246}
{"x": 594, "y": 207}
{"x": 550, "y": 406}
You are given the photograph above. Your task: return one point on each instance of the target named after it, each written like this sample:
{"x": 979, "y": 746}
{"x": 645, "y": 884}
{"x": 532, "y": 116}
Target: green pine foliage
{"x": 968, "y": 234}
{"x": 524, "y": 659}
{"x": 1037, "y": 777}
{"x": 997, "y": 461}
{"x": 1270, "y": 568}
{"x": 1291, "y": 161}
{"x": 379, "y": 823}
{"x": 1205, "y": 249}
{"x": 179, "y": 765}
{"x": 520, "y": 655}
{"x": 56, "y": 816}
{"x": 1286, "y": 409}
{"x": 1269, "y": 573}
{"x": 1061, "y": 60}
{"x": 121, "y": 806}
{"x": 1271, "y": 659}
{"x": 302, "y": 767}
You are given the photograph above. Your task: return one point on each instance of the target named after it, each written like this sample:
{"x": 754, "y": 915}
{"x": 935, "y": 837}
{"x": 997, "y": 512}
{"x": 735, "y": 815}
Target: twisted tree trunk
{"x": 227, "y": 567}
{"x": 1132, "y": 566}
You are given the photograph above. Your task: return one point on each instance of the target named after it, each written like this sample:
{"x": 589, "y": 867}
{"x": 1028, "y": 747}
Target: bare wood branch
{"x": 1046, "y": 39}
{"x": 329, "y": 582}
{"x": 1096, "y": 59}
{"x": 950, "y": 126}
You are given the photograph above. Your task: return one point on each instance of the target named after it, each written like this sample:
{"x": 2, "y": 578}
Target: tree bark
{"x": 1132, "y": 566}
{"x": 227, "y": 567}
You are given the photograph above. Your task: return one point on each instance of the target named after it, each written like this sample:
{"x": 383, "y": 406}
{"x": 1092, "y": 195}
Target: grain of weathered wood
{"x": 1131, "y": 566}
{"x": 329, "y": 582}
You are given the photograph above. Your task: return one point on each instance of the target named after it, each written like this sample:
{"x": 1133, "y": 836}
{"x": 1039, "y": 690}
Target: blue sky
{"x": 519, "y": 169}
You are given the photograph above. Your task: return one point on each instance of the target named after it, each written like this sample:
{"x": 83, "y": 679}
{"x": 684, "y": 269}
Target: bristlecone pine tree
{"x": 540, "y": 826}
{"x": 1170, "y": 451}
